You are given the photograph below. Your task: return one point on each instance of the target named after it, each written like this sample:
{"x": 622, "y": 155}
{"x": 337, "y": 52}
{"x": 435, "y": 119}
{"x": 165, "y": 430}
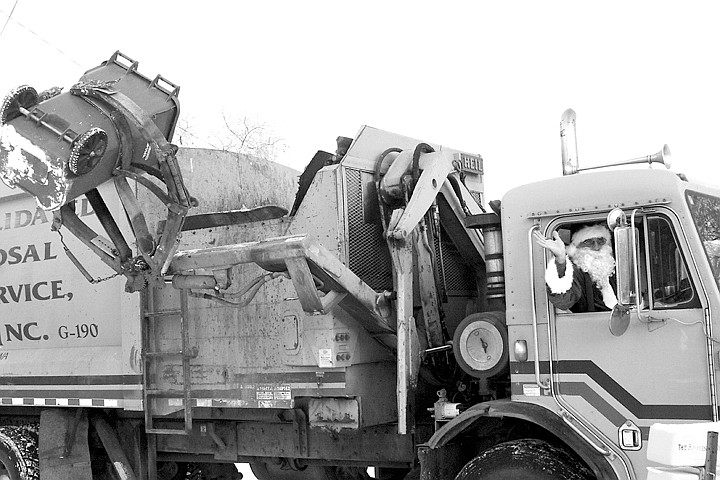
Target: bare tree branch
{"x": 239, "y": 135}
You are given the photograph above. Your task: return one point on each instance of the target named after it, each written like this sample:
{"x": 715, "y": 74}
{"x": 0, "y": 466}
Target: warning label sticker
{"x": 266, "y": 395}
{"x": 325, "y": 359}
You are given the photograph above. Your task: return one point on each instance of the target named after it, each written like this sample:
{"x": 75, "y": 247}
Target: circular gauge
{"x": 480, "y": 344}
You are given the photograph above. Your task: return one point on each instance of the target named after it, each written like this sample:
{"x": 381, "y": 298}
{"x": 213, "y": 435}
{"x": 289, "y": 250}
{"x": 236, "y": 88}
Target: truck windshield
{"x": 705, "y": 210}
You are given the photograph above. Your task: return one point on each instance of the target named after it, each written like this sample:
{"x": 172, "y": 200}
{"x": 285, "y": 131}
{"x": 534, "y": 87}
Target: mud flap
{"x": 63, "y": 449}
{"x": 111, "y": 442}
{"x": 440, "y": 463}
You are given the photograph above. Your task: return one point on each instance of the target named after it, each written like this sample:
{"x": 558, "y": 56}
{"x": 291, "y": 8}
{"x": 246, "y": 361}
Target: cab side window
{"x": 664, "y": 280}
{"x": 670, "y": 282}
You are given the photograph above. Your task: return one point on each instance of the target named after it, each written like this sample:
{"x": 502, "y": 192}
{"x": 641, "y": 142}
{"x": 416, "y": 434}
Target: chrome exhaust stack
{"x": 568, "y": 143}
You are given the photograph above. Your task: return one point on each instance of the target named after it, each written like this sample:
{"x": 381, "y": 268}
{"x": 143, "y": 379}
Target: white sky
{"x": 486, "y": 77}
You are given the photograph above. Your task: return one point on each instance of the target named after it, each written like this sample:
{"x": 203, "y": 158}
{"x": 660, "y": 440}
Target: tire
{"x": 526, "y": 459}
{"x": 18, "y": 454}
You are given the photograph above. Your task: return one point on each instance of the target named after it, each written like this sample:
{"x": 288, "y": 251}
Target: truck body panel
{"x": 64, "y": 341}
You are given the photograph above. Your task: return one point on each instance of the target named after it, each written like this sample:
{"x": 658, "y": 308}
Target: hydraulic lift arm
{"x": 411, "y": 243}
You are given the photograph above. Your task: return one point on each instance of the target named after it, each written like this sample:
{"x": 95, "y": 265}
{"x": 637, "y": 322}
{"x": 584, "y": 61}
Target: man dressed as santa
{"x": 580, "y": 277}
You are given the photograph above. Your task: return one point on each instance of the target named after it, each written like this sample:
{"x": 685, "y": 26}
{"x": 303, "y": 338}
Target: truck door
{"x": 657, "y": 371}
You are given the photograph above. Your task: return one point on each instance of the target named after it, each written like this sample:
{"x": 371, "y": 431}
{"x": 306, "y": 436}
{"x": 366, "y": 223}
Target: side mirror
{"x": 619, "y": 320}
{"x": 627, "y": 252}
{"x": 625, "y": 264}
{"x": 626, "y": 255}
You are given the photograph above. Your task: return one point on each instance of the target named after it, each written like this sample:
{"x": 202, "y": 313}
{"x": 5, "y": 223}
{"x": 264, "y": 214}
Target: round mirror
{"x": 619, "y": 320}
{"x": 616, "y": 218}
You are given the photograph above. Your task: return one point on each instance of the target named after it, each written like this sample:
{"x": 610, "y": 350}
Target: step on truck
{"x": 385, "y": 320}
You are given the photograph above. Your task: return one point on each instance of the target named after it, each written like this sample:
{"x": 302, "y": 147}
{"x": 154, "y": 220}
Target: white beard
{"x": 600, "y": 264}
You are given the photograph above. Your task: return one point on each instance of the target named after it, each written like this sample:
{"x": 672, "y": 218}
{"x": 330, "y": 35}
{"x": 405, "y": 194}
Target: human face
{"x": 593, "y": 243}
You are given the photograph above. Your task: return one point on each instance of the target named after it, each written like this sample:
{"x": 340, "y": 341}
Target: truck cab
{"x": 609, "y": 385}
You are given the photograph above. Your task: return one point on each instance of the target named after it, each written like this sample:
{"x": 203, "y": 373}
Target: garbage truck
{"x": 392, "y": 317}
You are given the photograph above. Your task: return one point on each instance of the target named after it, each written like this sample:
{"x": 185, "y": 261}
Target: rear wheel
{"x": 18, "y": 454}
{"x": 526, "y": 459}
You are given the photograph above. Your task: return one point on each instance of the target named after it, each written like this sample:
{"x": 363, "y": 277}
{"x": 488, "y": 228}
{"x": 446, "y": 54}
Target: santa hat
{"x": 584, "y": 232}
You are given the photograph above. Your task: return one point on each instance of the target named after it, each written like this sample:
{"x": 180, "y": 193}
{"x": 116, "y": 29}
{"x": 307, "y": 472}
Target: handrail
{"x": 567, "y": 418}
{"x": 636, "y": 270}
{"x": 538, "y": 381}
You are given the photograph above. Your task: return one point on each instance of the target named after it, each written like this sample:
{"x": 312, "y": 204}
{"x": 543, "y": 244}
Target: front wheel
{"x": 525, "y": 459}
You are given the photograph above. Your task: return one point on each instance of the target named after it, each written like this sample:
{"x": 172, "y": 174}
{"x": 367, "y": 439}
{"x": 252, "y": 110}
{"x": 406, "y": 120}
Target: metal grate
{"x": 369, "y": 257}
{"x": 477, "y": 196}
{"x": 459, "y": 277}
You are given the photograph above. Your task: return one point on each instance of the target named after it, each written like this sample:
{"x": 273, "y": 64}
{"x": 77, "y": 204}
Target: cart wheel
{"x": 87, "y": 151}
{"x": 23, "y": 96}
{"x": 18, "y": 454}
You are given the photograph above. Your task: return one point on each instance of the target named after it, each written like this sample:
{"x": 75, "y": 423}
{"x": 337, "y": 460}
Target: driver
{"x": 580, "y": 277}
